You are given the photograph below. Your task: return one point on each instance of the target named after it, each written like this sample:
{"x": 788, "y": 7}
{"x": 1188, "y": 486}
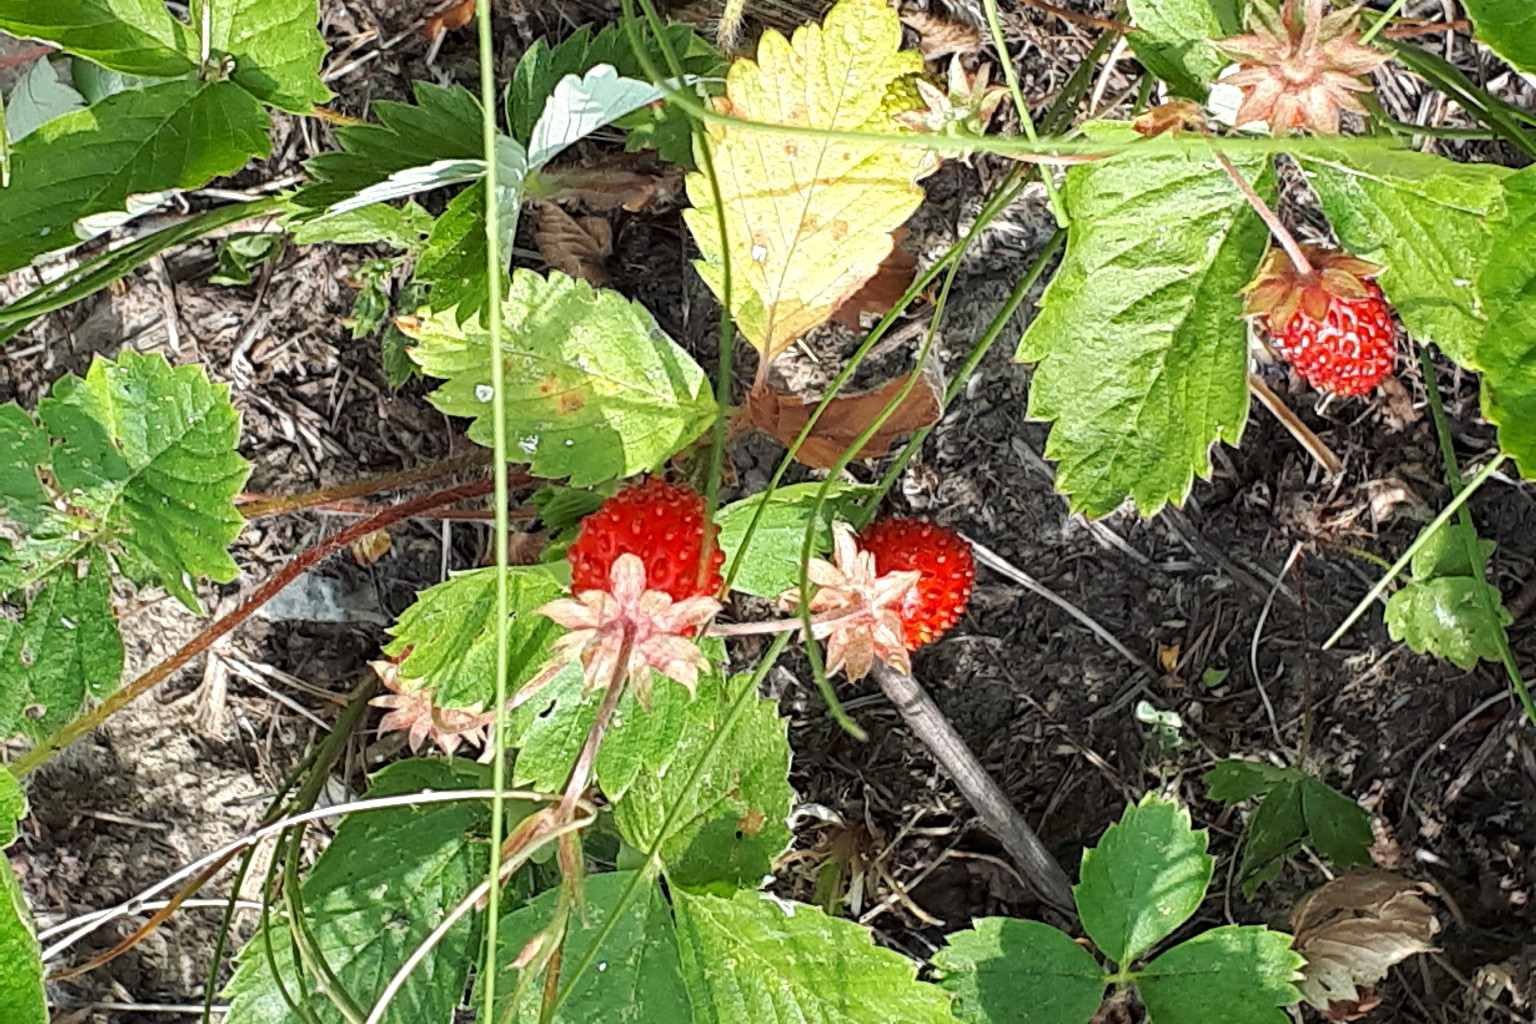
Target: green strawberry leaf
{"x": 1141, "y": 346}
{"x": 1506, "y": 352}
{"x": 448, "y": 635}
{"x": 384, "y": 882}
{"x": 13, "y": 807}
{"x": 1175, "y": 36}
{"x": 1337, "y": 827}
{"x": 750, "y": 957}
{"x": 771, "y": 564}
{"x": 24, "y": 504}
{"x": 1228, "y": 975}
{"x": 1444, "y": 607}
{"x": 276, "y": 47}
{"x": 636, "y": 973}
{"x": 1234, "y": 780}
{"x": 594, "y": 390}
{"x": 22, "y": 1000}
{"x": 37, "y": 98}
{"x": 65, "y": 646}
{"x": 1425, "y": 219}
{"x": 138, "y": 37}
{"x": 1146, "y": 877}
{"x": 1001, "y": 967}
{"x": 725, "y": 829}
{"x": 148, "y": 453}
{"x": 172, "y": 135}
{"x": 404, "y": 227}
{"x": 1274, "y": 833}
{"x": 453, "y": 262}
{"x": 1508, "y": 28}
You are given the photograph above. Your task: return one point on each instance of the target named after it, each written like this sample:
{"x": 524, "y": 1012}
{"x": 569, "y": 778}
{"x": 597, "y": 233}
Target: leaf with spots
{"x": 807, "y": 220}
{"x": 594, "y": 389}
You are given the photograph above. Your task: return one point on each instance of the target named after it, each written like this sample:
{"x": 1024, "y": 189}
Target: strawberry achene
{"x": 660, "y": 523}
{"x": 943, "y": 559}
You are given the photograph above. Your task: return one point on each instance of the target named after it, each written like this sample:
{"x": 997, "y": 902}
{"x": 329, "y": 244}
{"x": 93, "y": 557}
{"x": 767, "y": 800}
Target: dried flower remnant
{"x": 412, "y": 709}
{"x": 965, "y": 109}
{"x": 1299, "y": 66}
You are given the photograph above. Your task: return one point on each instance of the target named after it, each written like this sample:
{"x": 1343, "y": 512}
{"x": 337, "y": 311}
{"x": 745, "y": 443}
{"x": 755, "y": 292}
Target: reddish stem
{"x": 253, "y": 506}
{"x": 305, "y": 561}
{"x": 1281, "y": 233}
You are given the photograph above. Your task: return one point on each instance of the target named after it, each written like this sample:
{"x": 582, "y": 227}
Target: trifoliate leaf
{"x": 448, "y": 636}
{"x": 65, "y": 646}
{"x": 1508, "y": 28}
{"x": 726, "y": 827}
{"x": 594, "y": 390}
{"x": 634, "y": 974}
{"x": 138, "y": 37}
{"x": 1000, "y": 967}
{"x": 771, "y": 564}
{"x": 1446, "y": 608}
{"x": 1425, "y": 219}
{"x": 1354, "y": 928}
{"x": 385, "y": 881}
{"x": 148, "y": 452}
{"x": 172, "y": 135}
{"x": 22, "y": 1000}
{"x": 1146, "y": 877}
{"x": 807, "y": 220}
{"x": 1142, "y": 349}
{"x": 754, "y": 958}
{"x": 276, "y": 47}
{"x": 1229, "y": 975}
{"x": 443, "y": 124}
{"x": 37, "y": 98}
{"x": 1506, "y": 352}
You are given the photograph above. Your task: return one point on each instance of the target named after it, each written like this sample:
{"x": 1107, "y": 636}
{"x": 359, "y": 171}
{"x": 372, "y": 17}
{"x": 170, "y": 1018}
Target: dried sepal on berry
{"x": 628, "y": 631}
{"x": 1279, "y": 289}
{"x": 1299, "y": 66}
{"x": 414, "y": 711}
{"x": 1171, "y": 118}
{"x": 856, "y": 610}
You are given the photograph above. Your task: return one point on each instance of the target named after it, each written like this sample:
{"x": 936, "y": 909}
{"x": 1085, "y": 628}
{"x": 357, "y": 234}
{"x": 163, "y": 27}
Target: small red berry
{"x": 944, "y": 560}
{"x": 1350, "y": 350}
{"x": 661, "y": 523}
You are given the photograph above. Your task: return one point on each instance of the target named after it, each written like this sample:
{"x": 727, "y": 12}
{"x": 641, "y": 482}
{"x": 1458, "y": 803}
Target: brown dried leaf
{"x": 938, "y": 35}
{"x": 613, "y": 184}
{"x": 453, "y": 16}
{"x": 784, "y": 416}
{"x": 1353, "y": 929}
{"x": 884, "y": 289}
{"x": 576, "y": 245}
{"x": 370, "y": 547}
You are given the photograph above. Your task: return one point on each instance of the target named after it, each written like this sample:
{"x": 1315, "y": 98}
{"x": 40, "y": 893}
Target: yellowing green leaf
{"x": 807, "y": 220}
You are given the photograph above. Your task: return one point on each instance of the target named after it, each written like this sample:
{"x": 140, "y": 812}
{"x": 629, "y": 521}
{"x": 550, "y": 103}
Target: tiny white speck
{"x": 484, "y": 392}
{"x": 759, "y": 253}
{"x": 602, "y": 965}
{"x": 66, "y": 622}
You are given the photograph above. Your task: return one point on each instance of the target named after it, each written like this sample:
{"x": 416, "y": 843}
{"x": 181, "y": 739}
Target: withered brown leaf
{"x": 621, "y": 182}
{"x": 576, "y": 245}
{"x": 1353, "y": 929}
{"x": 784, "y": 416}
{"x": 882, "y": 291}
{"x": 938, "y": 36}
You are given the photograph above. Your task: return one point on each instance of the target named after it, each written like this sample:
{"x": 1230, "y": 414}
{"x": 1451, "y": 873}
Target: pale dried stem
{"x": 1314, "y": 445}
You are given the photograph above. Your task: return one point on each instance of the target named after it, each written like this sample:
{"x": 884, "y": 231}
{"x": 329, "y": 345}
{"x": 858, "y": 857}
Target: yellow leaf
{"x": 808, "y": 220}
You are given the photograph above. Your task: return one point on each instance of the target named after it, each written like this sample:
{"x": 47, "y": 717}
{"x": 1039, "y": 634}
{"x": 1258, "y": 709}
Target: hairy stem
{"x": 1281, "y": 233}
{"x": 254, "y": 506}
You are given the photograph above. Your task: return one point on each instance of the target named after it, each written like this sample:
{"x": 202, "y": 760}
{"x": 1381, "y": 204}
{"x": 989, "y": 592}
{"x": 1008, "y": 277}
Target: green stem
{"x": 1011, "y": 76}
{"x": 1381, "y": 22}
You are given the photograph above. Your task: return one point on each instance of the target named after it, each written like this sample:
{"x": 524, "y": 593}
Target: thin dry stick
{"x": 258, "y": 597}
{"x": 256, "y": 505}
{"x": 925, "y": 719}
{"x": 1314, "y": 445}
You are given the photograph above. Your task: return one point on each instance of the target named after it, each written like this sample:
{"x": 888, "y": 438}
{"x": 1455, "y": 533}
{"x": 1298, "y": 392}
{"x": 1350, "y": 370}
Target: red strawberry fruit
{"x": 944, "y": 560}
{"x": 1334, "y": 324}
{"x": 661, "y": 523}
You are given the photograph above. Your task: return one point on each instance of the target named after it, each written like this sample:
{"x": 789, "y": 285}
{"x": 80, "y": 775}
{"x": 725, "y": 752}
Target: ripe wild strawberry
{"x": 660, "y": 523}
{"x": 1334, "y": 324}
{"x": 942, "y": 560}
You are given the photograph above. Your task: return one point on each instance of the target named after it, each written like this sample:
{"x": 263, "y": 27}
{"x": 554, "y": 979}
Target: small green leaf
{"x": 1443, "y": 609}
{"x": 64, "y": 647}
{"x": 636, "y": 974}
{"x": 1142, "y": 349}
{"x": 22, "y": 1000}
{"x": 726, "y": 828}
{"x": 37, "y": 98}
{"x": 276, "y": 47}
{"x": 13, "y": 807}
{"x": 1145, "y": 878}
{"x": 582, "y": 104}
{"x": 1508, "y": 28}
{"x": 1234, "y": 780}
{"x": 403, "y": 227}
{"x": 450, "y": 633}
{"x": 239, "y": 254}
{"x": 1006, "y": 971}
{"x": 175, "y": 134}
{"x": 1426, "y": 220}
{"x": 1228, "y": 975}
{"x": 150, "y": 452}
{"x": 772, "y": 564}
{"x": 453, "y": 262}
{"x": 755, "y": 958}
{"x": 138, "y": 37}
{"x": 594, "y": 390}
{"x": 1275, "y": 831}
{"x": 1338, "y": 828}
{"x": 1506, "y": 352}
{"x": 385, "y": 881}
{"x": 641, "y": 740}
{"x": 1179, "y": 32}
